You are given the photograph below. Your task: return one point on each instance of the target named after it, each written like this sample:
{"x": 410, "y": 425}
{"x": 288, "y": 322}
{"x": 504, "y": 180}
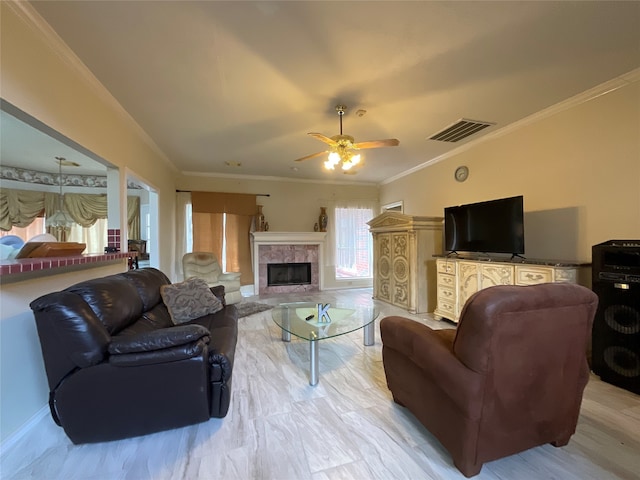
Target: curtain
{"x": 94, "y": 236}
{"x": 208, "y": 233}
{"x": 330, "y": 245}
{"x": 222, "y": 224}
{"x": 238, "y": 244}
{"x": 183, "y": 244}
{"x": 85, "y": 209}
{"x": 133, "y": 217}
{"x": 20, "y": 207}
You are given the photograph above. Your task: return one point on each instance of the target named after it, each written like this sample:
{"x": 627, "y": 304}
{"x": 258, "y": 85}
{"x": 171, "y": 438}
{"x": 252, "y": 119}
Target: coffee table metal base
{"x": 369, "y": 338}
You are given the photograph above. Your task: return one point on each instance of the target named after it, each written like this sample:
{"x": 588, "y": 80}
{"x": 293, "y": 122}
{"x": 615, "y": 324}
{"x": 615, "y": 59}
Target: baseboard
{"x": 13, "y": 438}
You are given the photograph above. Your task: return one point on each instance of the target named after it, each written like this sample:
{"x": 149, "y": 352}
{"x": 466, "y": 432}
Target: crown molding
{"x": 28, "y": 14}
{"x": 276, "y": 179}
{"x": 586, "y": 96}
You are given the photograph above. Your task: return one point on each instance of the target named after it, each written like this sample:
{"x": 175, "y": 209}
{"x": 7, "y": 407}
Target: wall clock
{"x": 462, "y": 173}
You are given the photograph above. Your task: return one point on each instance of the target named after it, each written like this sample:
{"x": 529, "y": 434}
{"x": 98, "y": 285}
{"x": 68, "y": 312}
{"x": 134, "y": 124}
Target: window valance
{"x": 215, "y": 202}
{"x": 20, "y": 208}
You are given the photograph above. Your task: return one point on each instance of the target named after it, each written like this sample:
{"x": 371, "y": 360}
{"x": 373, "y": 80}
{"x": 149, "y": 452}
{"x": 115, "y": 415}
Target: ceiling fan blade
{"x": 309, "y": 157}
{"x": 389, "y": 142}
{"x": 323, "y": 138}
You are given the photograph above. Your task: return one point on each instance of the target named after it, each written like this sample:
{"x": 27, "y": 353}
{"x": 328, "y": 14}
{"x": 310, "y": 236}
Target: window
{"x": 25, "y": 233}
{"x": 353, "y": 243}
{"x": 95, "y": 236}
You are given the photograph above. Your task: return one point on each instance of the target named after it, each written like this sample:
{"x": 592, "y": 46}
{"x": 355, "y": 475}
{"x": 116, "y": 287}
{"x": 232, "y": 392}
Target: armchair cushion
{"x": 189, "y": 299}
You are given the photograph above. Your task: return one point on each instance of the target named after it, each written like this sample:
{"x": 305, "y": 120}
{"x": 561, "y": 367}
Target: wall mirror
{"x": 31, "y": 156}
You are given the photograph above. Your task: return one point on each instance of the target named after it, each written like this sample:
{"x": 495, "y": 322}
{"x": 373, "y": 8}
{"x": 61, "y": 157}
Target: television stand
{"x": 516, "y": 255}
{"x": 460, "y": 277}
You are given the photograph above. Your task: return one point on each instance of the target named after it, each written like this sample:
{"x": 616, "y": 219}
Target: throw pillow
{"x": 189, "y": 299}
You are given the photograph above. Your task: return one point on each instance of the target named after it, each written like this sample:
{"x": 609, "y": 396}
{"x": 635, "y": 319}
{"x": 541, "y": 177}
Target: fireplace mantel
{"x": 287, "y": 238}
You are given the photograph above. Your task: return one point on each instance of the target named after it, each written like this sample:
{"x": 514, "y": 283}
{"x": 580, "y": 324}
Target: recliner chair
{"x": 205, "y": 265}
{"x": 510, "y": 378}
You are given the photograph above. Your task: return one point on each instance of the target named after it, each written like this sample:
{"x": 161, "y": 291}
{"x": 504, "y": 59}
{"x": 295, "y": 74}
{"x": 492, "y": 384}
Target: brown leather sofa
{"x": 117, "y": 366}
{"x": 509, "y": 378}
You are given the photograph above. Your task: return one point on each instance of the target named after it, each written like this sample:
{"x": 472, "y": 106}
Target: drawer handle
{"x": 537, "y": 276}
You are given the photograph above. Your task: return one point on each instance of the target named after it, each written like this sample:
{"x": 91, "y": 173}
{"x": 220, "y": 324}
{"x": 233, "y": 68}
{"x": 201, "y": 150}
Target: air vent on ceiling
{"x": 459, "y": 130}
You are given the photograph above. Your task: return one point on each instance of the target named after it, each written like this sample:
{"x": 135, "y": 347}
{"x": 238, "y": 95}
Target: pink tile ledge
{"x": 23, "y": 265}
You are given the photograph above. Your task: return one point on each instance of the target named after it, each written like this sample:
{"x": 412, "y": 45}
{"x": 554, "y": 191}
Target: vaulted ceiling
{"x": 233, "y": 87}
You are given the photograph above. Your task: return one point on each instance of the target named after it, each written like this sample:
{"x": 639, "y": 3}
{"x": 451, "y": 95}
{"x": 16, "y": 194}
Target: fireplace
{"x": 288, "y": 274}
{"x": 286, "y": 249}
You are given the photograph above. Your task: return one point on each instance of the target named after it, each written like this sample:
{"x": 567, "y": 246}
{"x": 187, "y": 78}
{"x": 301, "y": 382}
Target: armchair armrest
{"x": 158, "y": 339}
{"x": 229, "y": 276}
{"x": 433, "y": 353}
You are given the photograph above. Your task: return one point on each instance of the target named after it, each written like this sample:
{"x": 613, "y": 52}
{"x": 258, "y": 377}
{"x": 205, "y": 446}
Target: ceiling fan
{"x": 343, "y": 150}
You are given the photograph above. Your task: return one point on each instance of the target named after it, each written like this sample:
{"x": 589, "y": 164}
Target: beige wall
{"x": 291, "y": 206}
{"x": 23, "y": 382}
{"x": 579, "y": 172}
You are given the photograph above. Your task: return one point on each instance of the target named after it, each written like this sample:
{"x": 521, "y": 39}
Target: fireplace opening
{"x": 288, "y": 274}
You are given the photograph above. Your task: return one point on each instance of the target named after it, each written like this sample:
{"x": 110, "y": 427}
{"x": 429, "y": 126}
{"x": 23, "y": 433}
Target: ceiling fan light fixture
{"x": 334, "y": 158}
{"x": 342, "y": 146}
{"x": 352, "y": 161}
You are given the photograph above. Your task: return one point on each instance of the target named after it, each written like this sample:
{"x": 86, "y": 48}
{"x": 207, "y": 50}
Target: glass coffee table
{"x": 301, "y": 319}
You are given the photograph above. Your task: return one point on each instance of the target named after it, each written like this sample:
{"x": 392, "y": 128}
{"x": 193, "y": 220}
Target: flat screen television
{"x": 495, "y": 226}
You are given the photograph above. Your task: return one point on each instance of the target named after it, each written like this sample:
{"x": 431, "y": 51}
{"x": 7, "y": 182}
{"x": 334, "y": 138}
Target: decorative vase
{"x": 259, "y": 219}
{"x": 323, "y": 219}
{"x": 316, "y": 228}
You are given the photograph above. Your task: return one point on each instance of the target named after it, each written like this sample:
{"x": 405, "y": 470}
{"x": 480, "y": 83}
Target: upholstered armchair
{"x": 509, "y": 378}
{"x": 205, "y": 265}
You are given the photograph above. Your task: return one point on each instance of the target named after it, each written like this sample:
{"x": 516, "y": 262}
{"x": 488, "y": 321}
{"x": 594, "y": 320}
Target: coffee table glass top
{"x": 290, "y": 317}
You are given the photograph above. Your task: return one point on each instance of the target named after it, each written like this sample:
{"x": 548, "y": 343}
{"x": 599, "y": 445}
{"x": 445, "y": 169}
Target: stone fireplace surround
{"x": 287, "y": 247}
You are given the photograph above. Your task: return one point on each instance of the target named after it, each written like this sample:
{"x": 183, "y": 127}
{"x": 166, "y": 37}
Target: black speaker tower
{"x": 616, "y": 328}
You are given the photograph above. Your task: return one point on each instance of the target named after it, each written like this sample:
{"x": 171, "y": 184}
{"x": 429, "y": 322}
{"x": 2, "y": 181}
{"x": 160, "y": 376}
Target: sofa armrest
{"x": 432, "y": 351}
{"x": 158, "y": 339}
{"x": 173, "y": 354}
{"x": 219, "y": 291}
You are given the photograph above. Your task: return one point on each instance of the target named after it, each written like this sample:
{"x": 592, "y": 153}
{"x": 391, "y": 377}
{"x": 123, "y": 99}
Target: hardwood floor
{"x": 347, "y": 427}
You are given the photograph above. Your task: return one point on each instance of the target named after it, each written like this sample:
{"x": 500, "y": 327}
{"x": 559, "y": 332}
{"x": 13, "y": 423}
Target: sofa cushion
{"x": 148, "y": 282}
{"x": 157, "y": 317}
{"x": 189, "y": 299}
{"x": 113, "y": 299}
